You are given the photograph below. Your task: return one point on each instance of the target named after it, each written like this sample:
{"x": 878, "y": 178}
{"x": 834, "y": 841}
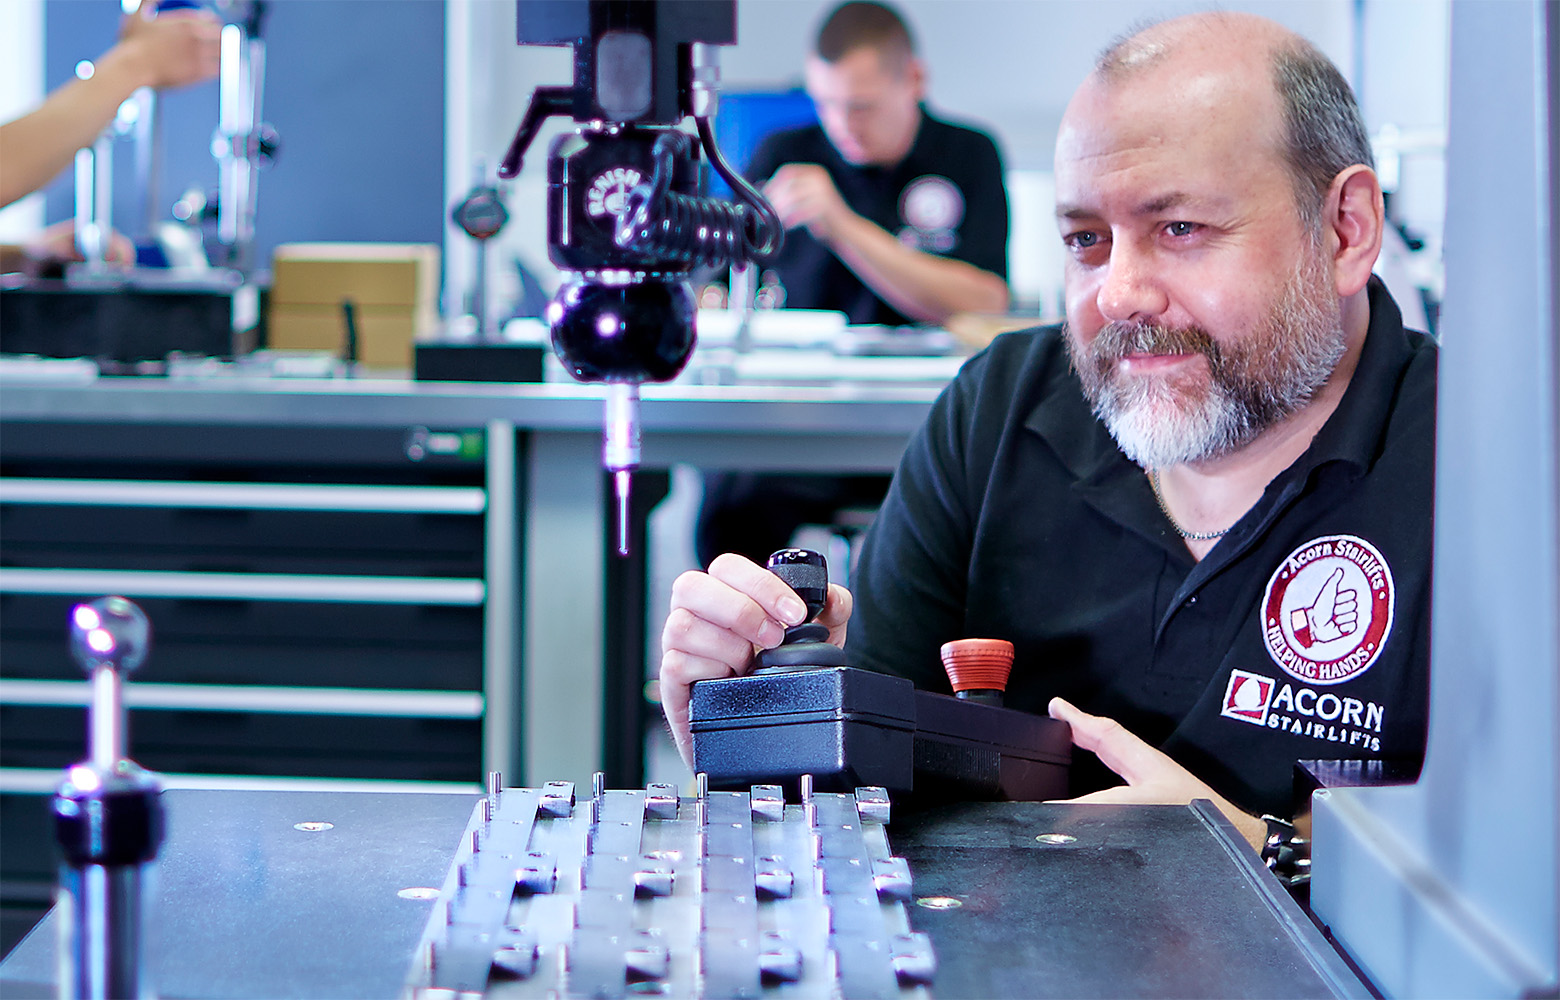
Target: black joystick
{"x": 807, "y": 645}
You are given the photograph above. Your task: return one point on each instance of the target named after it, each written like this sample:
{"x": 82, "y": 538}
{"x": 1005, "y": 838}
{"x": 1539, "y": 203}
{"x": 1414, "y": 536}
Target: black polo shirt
{"x": 946, "y": 197}
{"x": 1302, "y": 634}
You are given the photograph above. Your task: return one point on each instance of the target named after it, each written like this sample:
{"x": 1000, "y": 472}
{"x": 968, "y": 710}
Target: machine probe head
{"x": 627, "y": 219}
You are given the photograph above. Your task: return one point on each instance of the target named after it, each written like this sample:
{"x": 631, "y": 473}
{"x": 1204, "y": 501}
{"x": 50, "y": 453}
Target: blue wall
{"x": 354, "y": 87}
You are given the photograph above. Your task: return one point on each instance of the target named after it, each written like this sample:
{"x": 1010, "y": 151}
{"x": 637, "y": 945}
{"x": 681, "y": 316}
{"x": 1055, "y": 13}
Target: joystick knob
{"x": 109, "y": 637}
{"x": 109, "y": 632}
{"x": 806, "y": 646}
{"x": 108, "y": 819}
{"x": 805, "y": 572}
{"x": 978, "y": 668}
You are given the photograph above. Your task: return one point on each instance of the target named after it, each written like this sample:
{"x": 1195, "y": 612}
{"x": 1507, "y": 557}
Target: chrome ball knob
{"x": 109, "y": 632}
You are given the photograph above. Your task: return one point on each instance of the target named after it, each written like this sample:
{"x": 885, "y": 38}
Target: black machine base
{"x": 120, "y": 321}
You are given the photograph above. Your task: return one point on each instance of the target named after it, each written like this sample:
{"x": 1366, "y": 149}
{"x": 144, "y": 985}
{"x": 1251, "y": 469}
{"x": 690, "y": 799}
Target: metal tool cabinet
{"x": 327, "y": 604}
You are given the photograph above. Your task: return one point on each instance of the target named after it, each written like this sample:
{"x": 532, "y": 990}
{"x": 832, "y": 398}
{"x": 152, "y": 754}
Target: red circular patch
{"x": 1328, "y": 609}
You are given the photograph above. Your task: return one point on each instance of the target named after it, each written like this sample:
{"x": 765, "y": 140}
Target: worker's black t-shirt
{"x": 1303, "y": 633}
{"x": 946, "y": 198}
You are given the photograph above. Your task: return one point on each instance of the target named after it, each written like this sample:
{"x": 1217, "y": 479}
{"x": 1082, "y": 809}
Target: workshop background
{"x": 388, "y": 113}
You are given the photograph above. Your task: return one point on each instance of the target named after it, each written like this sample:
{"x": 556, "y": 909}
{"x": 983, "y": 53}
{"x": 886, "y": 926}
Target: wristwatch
{"x": 1286, "y": 853}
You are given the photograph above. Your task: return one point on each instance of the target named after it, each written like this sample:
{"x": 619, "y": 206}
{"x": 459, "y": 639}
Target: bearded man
{"x": 1201, "y": 510}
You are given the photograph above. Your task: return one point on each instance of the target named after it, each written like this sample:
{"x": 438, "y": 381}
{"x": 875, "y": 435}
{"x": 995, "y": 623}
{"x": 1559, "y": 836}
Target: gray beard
{"x": 1252, "y": 384}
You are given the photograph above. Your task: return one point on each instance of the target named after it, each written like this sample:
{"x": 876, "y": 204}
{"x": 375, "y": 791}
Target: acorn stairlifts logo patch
{"x": 1303, "y": 711}
{"x": 932, "y": 208}
{"x": 1328, "y": 609}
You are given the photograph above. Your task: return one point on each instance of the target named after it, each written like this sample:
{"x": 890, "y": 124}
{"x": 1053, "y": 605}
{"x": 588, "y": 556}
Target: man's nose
{"x": 854, "y": 124}
{"x": 1130, "y": 290}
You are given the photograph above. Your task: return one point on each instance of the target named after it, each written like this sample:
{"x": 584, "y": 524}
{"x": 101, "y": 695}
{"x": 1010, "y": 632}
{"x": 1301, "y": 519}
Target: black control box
{"x": 477, "y": 362}
{"x": 849, "y": 727}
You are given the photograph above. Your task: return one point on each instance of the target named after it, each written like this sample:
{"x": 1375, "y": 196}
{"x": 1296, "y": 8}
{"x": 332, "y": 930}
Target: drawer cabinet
{"x": 328, "y": 605}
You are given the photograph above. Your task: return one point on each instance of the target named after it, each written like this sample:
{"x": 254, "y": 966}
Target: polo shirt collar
{"x": 909, "y": 164}
{"x": 1103, "y": 477}
{"x": 1357, "y": 428}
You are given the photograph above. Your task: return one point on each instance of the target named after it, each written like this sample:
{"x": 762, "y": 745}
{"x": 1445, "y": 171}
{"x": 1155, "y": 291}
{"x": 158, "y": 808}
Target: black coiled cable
{"x": 706, "y": 231}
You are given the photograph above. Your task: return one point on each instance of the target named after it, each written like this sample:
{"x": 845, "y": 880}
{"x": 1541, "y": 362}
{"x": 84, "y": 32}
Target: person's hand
{"x": 804, "y": 195}
{"x": 172, "y": 49}
{"x": 1151, "y": 776}
{"x": 56, "y": 246}
{"x": 719, "y": 622}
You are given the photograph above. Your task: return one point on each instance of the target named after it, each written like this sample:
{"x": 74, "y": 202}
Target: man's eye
{"x": 1181, "y": 228}
{"x": 1081, "y": 241}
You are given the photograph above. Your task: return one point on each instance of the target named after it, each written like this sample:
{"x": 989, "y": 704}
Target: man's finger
{"x": 837, "y": 607}
{"x": 771, "y": 593}
{"x": 679, "y": 672}
{"x": 760, "y": 618}
{"x": 1116, "y": 748}
{"x": 686, "y": 632}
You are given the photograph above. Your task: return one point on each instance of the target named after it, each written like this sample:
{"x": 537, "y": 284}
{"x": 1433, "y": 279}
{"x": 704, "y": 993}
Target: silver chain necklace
{"x": 1194, "y": 536}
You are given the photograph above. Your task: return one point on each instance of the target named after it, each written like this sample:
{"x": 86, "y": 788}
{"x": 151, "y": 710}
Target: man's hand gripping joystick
{"x": 722, "y": 621}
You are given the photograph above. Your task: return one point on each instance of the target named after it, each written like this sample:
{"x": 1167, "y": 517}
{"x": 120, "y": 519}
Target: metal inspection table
{"x": 1019, "y": 900}
{"x": 247, "y": 904}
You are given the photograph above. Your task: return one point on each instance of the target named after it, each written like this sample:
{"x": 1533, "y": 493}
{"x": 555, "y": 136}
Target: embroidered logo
{"x": 1247, "y": 697}
{"x": 1303, "y": 711}
{"x": 932, "y": 208}
{"x": 1328, "y": 609}
{"x": 608, "y": 193}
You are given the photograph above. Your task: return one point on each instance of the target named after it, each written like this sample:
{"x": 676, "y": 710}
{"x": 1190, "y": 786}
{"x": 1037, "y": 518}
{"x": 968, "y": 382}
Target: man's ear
{"x": 1354, "y": 216}
{"x": 915, "y": 72}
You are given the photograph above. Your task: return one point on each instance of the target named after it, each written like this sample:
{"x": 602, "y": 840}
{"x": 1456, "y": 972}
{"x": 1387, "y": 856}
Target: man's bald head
{"x": 1320, "y": 131}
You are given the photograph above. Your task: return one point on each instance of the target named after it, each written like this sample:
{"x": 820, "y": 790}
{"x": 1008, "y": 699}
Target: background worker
{"x": 893, "y": 216}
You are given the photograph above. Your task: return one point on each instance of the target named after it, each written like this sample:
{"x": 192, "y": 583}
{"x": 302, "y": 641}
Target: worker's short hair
{"x": 1323, "y": 131}
{"x": 865, "y": 24}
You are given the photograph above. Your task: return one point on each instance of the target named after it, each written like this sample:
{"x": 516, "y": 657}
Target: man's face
{"x": 869, "y": 107}
{"x": 1200, "y": 310}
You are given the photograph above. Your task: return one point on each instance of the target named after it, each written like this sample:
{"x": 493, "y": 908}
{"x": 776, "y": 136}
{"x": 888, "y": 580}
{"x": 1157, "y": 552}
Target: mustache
{"x": 1118, "y": 339}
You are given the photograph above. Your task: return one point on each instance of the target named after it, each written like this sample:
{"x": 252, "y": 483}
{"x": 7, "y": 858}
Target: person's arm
{"x": 1151, "y": 776}
{"x": 923, "y": 286}
{"x": 171, "y": 50}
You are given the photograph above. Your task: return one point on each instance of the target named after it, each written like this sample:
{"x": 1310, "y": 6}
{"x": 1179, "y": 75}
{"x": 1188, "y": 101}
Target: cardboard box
{"x": 385, "y": 334}
{"x": 370, "y": 274}
{"x": 393, "y": 287}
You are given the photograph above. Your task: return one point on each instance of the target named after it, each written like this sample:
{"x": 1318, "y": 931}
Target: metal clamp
{"x": 1285, "y": 852}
